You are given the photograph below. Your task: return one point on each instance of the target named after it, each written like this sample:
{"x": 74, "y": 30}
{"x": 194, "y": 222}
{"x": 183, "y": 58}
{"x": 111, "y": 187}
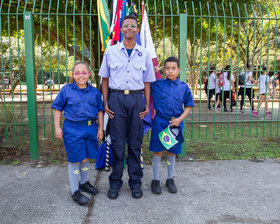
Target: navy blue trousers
{"x": 126, "y": 126}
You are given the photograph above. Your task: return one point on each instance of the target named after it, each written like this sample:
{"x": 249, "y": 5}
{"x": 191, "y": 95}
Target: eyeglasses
{"x": 132, "y": 26}
{"x": 81, "y": 73}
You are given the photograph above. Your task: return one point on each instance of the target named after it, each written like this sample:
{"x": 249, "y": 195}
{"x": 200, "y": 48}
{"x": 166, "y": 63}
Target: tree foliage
{"x": 217, "y": 32}
{"x": 71, "y": 25}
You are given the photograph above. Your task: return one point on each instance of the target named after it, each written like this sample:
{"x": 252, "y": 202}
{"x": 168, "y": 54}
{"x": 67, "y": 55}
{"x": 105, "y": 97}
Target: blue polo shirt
{"x": 79, "y": 104}
{"x": 124, "y": 71}
{"x": 170, "y": 96}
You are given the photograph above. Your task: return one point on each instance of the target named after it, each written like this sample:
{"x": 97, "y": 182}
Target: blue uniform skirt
{"x": 158, "y": 125}
{"x": 80, "y": 140}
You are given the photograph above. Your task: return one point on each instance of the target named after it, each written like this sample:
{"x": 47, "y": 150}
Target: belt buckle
{"x": 126, "y": 92}
{"x": 89, "y": 123}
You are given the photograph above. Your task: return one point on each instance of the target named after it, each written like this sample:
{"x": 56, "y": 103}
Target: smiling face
{"x": 171, "y": 70}
{"x": 129, "y": 29}
{"x": 81, "y": 75}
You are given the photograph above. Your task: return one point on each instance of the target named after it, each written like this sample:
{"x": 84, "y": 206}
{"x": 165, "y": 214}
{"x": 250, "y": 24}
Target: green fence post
{"x": 183, "y": 65}
{"x": 31, "y": 89}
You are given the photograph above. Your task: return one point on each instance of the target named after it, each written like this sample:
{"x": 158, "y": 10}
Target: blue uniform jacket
{"x": 170, "y": 96}
{"x": 79, "y": 104}
{"x": 168, "y": 100}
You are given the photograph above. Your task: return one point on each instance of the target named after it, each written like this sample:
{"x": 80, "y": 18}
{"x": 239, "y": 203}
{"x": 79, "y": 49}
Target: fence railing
{"x": 41, "y": 40}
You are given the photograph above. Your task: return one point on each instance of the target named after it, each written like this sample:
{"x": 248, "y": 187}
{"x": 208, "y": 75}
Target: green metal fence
{"x": 41, "y": 40}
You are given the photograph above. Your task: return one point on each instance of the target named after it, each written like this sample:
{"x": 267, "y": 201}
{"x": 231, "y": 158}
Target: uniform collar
{"x": 176, "y": 81}
{"x": 75, "y": 86}
{"x": 137, "y": 47}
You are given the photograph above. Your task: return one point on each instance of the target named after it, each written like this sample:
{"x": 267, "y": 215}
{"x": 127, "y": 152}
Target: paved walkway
{"x": 208, "y": 192}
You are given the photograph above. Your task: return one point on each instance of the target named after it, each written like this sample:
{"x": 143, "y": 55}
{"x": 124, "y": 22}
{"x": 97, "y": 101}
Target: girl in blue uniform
{"x": 169, "y": 95}
{"x": 82, "y": 106}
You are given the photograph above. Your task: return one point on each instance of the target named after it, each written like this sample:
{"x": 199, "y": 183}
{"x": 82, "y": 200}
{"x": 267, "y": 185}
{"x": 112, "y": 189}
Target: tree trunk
{"x": 190, "y": 62}
{"x": 196, "y": 82}
{"x": 17, "y": 82}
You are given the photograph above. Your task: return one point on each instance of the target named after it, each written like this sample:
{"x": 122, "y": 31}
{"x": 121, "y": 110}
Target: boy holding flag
{"x": 169, "y": 95}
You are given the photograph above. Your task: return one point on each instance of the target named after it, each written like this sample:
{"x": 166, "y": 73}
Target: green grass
{"x": 234, "y": 149}
{"x": 212, "y": 142}
{"x": 232, "y": 141}
{"x": 238, "y": 130}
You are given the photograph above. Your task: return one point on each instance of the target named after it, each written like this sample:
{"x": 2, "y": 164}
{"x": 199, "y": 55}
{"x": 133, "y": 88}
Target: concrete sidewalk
{"x": 208, "y": 192}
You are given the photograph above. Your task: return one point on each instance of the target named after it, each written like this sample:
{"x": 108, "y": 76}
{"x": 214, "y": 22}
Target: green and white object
{"x": 167, "y": 138}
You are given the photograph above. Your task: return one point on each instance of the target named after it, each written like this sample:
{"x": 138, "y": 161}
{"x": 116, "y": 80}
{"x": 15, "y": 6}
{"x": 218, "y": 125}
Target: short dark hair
{"x": 213, "y": 68}
{"x": 130, "y": 17}
{"x": 248, "y": 66}
{"x": 227, "y": 68}
{"x": 172, "y": 59}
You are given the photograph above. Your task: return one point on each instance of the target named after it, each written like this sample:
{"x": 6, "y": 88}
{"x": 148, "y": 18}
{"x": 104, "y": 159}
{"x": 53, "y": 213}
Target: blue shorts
{"x": 80, "y": 140}
{"x": 158, "y": 125}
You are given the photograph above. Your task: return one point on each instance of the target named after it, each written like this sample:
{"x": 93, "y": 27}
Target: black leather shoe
{"x": 80, "y": 198}
{"x": 171, "y": 186}
{"x": 113, "y": 193}
{"x": 87, "y": 187}
{"x": 156, "y": 189}
{"x": 137, "y": 193}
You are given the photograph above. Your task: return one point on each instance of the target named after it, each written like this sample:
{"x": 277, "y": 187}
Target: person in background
{"x": 246, "y": 87}
{"x": 213, "y": 88}
{"x": 274, "y": 80}
{"x": 226, "y": 88}
{"x": 264, "y": 90}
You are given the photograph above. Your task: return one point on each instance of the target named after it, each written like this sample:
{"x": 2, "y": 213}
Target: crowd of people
{"x": 224, "y": 85}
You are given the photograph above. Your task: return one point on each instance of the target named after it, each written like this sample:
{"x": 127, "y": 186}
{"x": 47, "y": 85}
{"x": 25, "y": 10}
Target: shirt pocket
{"x": 138, "y": 71}
{"x": 116, "y": 69}
{"x": 141, "y": 67}
{"x": 92, "y": 106}
{"x": 116, "y": 66}
{"x": 178, "y": 104}
{"x": 160, "y": 96}
{"x": 75, "y": 104}
{"x": 161, "y": 100}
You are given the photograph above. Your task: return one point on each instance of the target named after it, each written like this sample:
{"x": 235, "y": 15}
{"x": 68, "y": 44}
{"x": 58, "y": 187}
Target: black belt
{"x": 88, "y": 123}
{"x": 126, "y": 91}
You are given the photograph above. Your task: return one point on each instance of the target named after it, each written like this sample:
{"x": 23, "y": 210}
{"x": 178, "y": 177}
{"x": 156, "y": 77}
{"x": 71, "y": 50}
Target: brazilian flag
{"x": 103, "y": 23}
{"x": 167, "y": 138}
